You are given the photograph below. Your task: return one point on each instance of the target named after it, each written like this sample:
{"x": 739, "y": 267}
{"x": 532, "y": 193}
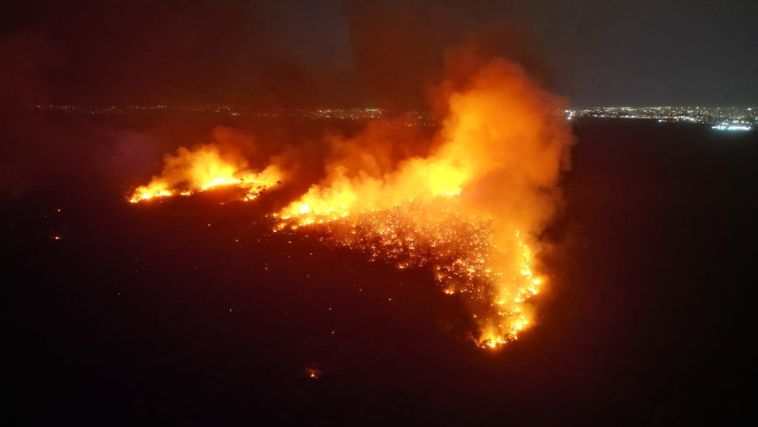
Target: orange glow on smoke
{"x": 204, "y": 168}
{"x": 472, "y": 210}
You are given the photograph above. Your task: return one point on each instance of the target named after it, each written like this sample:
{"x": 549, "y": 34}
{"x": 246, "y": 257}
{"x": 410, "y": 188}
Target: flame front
{"x": 471, "y": 211}
{"x": 204, "y": 168}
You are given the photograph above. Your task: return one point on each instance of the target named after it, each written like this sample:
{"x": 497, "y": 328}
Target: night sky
{"x": 331, "y": 52}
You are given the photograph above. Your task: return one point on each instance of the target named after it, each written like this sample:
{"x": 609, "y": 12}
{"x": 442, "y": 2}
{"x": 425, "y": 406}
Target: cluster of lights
{"x": 732, "y": 127}
{"x": 720, "y": 118}
{"x": 411, "y": 118}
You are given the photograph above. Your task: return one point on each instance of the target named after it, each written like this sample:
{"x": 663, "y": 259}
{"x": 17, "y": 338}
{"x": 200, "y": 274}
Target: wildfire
{"x": 470, "y": 211}
{"x": 204, "y": 168}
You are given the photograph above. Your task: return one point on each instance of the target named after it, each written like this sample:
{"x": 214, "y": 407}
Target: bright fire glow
{"x": 471, "y": 211}
{"x": 205, "y": 168}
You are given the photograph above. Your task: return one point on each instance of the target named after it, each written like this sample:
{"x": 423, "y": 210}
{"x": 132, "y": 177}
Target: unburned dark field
{"x": 193, "y": 311}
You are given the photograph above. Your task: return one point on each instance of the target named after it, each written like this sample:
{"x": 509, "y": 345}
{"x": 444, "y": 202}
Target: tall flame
{"x": 472, "y": 210}
{"x": 203, "y": 168}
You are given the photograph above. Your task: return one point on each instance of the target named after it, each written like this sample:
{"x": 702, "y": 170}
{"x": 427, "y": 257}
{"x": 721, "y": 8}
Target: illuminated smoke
{"x": 472, "y": 210}
{"x": 202, "y": 168}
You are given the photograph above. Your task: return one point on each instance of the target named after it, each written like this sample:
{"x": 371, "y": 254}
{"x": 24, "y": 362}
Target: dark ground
{"x": 157, "y": 313}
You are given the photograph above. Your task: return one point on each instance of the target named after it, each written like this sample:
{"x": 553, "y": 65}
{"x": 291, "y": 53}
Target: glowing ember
{"x": 205, "y": 168}
{"x": 312, "y": 373}
{"x": 497, "y": 280}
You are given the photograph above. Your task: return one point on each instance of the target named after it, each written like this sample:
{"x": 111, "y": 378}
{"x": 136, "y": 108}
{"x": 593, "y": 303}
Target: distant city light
{"x": 732, "y": 127}
{"x": 410, "y": 118}
{"x": 723, "y": 118}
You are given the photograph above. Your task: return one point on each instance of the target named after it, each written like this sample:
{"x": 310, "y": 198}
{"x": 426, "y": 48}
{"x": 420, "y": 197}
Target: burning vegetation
{"x": 204, "y": 168}
{"x": 470, "y": 210}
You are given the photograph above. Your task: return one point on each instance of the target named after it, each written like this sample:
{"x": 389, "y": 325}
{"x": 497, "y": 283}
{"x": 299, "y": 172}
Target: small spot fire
{"x": 204, "y": 168}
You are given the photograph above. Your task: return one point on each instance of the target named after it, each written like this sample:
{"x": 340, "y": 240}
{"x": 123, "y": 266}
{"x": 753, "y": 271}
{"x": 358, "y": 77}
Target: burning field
{"x": 467, "y": 204}
{"x": 203, "y": 169}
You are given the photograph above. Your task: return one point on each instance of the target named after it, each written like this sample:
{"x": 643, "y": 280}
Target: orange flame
{"x": 472, "y": 210}
{"x": 204, "y": 168}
